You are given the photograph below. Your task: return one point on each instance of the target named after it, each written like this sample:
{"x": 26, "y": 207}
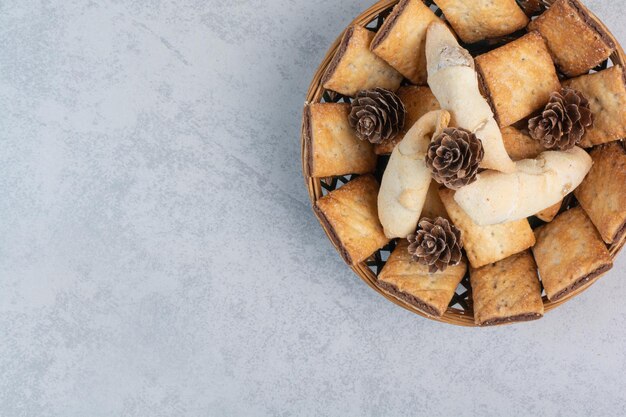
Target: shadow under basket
{"x": 460, "y": 310}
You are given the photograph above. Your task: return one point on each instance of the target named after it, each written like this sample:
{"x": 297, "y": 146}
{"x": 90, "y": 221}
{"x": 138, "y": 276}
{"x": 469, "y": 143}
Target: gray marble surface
{"x": 159, "y": 257}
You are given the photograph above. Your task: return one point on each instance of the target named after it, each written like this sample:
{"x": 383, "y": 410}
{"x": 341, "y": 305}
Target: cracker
{"x": 350, "y": 215}
{"x": 417, "y": 100}
{"x": 410, "y": 281}
{"x": 507, "y": 291}
{"x": 433, "y": 206}
{"x": 487, "y": 244}
{"x": 548, "y": 214}
{"x": 519, "y": 145}
{"x": 570, "y": 254}
{"x": 332, "y": 146}
{"x": 354, "y": 67}
{"x": 575, "y": 40}
{"x": 606, "y": 91}
{"x": 401, "y": 40}
{"x": 518, "y": 78}
{"x": 602, "y": 194}
{"x": 475, "y": 20}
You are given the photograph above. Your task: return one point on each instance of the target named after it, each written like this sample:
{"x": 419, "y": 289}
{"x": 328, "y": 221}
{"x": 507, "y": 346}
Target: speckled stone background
{"x": 158, "y": 253}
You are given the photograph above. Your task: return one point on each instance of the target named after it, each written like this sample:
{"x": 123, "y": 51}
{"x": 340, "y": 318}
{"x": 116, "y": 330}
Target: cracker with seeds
{"x": 487, "y": 244}
{"x": 332, "y": 146}
{"x": 354, "y": 67}
{"x": 570, "y": 254}
{"x": 602, "y": 194}
{"x": 350, "y": 215}
{"x": 409, "y": 281}
{"x": 518, "y": 78}
{"x": 507, "y": 291}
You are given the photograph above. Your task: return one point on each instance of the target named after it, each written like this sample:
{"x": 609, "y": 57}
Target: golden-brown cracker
{"x": 577, "y": 43}
{"x": 332, "y": 146}
{"x": 417, "y": 100}
{"x": 350, "y": 215}
{"x": 569, "y": 253}
{"x": 606, "y": 92}
{"x": 354, "y": 67}
{"x": 518, "y": 78}
{"x": 410, "y": 281}
{"x": 433, "y": 206}
{"x": 487, "y": 244}
{"x": 401, "y": 40}
{"x": 475, "y": 20}
{"x": 602, "y": 194}
{"x": 507, "y": 291}
{"x": 548, "y": 214}
{"x": 519, "y": 145}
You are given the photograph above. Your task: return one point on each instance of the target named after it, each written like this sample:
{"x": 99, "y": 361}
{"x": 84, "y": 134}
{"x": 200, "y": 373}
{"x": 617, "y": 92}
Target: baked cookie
{"x": 417, "y": 100}
{"x": 603, "y": 192}
{"x": 350, "y": 214}
{"x": 518, "y": 78}
{"x": 354, "y": 67}
{"x": 332, "y": 147}
{"x": 410, "y": 281}
{"x": 487, "y": 244}
{"x": 550, "y": 213}
{"x": 575, "y": 40}
{"x": 606, "y": 91}
{"x": 433, "y": 206}
{"x": 519, "y": 145}
{"x": 570, "y": 253}
{"x": 507, "y": 291}
{"x": 475, "y": 20}
{"x": 401, "y": 39}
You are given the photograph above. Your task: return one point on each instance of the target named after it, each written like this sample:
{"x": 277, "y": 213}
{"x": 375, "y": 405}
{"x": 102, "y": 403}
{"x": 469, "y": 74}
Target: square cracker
{"x": 487, "y": 244}
{"x": 606, "y": 91}
{"x": 575, "y": 40}
{"x": 507, "y": 291}
{"x": 332, "y": 146}
{"x": 548, "y": 214}
{"x": 354, "y": 67}
{"x": 518, "y": 78}
{"x": 350, "y": 215}
{"x": 519, "y": 145}
{"x": 401, "y": 40}
{"x": 417, "y": 100}
{"x": 475, "y": 20}
{"x": 602, "y": 194}
{"x": 410, "y": 281}
{"x": 569, "y": 253}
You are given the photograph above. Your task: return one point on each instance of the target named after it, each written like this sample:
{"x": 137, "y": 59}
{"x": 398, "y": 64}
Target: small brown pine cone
{"x": 377, "y": 115}
{"x": 436, "y": 243}
{"x": 563, "y": 121}
{"x": 453, "y": 157}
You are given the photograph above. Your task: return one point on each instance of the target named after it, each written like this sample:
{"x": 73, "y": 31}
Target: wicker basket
{"x": 460, "y": 309}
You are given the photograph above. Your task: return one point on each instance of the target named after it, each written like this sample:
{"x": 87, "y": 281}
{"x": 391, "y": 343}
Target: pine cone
{"x": 453, "y": 157}
{"x": 377, "y": 115}
{"x": 436, "y": 244}
{"x": 563, "y": 121}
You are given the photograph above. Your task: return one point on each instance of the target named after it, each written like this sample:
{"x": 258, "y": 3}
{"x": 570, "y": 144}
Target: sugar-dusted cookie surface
{"x": 401, "y": 39}
{"x": 417, "y": 100}
{"x": 507, "y": 291}
{"x": 350, "y": 214}
{"x": 332, "y": 146}
{"x": 487, "y": 244}
{"x": 407, "y": 280}
{"x": 518, "y": 78}
{"x": 354, "y": 67}
{"x": 519, "y": 145}
{"x": 606, "y": 91}
{"x": 603, "y": 192}
{"x": 569, "y": 253}
{"x": 475, "y": 20}
{"x": 577, "y": 43}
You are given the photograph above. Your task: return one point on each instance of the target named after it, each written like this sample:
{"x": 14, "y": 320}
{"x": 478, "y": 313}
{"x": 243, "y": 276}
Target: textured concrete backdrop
{"x": 158, "y": 254}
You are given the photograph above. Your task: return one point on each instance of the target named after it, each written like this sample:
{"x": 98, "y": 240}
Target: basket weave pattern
{"x": 460, "y": 311}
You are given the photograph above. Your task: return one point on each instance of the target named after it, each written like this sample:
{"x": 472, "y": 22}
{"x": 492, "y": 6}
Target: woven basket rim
{"x": 314, "y": 94}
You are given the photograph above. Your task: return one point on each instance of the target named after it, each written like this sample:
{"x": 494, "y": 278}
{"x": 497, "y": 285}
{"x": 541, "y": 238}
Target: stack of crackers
{"x": 509, "y": 264}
